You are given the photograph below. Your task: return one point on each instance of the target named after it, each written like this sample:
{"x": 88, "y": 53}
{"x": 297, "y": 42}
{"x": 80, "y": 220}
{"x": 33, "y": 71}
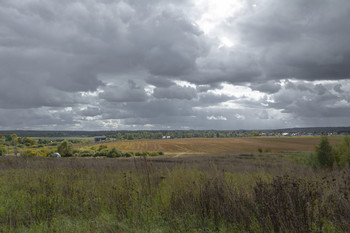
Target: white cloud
{"x": 217, "y": 118}
{"x": 239, "y": 117}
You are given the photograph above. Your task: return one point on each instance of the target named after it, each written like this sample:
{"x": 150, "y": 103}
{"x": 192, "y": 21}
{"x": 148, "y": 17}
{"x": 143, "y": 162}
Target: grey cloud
{"x": 132, "y": 84}
{"x": 320, "y": 89}
{"x": 338, "y": 88}
{"x": 311, "y": 101}
{"x": 298, "y": 39}
{"x": 159, "y": 81}
{"x": 98, "y": 57}
{"x": 123, "y": 94}
{"x": 209, "y": 99}
{"x": 225, "y": 65}
{"x": 207, "y": 87}
{"x": 150, "y": 109}
{"x": 90, "y": 112}
{"x": 267, "y": 87}
{"x": 18, "y": 93}
{"x": 38, "y": 118}
{"x": 263, "y": 115}
{"x": 175, "y": 92}
{"x": 303, "y": 87}
{"x": 173, "y": 44}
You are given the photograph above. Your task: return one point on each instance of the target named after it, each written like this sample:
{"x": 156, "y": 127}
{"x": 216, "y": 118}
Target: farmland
{"x": 221, "y": 145}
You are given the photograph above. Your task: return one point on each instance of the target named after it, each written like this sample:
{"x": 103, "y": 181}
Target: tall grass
{"x": 145, "y": 195}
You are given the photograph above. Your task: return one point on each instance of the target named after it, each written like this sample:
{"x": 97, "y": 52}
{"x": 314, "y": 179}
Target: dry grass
{"x": 222, "y": 145}
{"x": 209, "y": 193}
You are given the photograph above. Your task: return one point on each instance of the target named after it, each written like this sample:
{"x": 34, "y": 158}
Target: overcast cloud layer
{"x": 114, "y": 65}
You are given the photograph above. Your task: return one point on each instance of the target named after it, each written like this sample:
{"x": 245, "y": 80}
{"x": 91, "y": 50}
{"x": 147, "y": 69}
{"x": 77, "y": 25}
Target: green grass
{"x": 302, "y": 158}
{"x": 86, "y": 139}
{"x": 207, "y": 194}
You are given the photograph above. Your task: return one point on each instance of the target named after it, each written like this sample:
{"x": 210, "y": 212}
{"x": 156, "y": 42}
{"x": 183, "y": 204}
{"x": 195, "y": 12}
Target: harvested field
{"x": 221, "y": 145}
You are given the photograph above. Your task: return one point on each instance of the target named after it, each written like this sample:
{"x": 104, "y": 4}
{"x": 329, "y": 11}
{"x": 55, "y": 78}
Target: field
{"x": 218, "y": 185}
{"x": 222, "y": 145}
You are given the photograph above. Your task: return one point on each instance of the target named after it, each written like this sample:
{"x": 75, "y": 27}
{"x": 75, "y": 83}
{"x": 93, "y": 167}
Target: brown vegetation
{"x": 222, "y": 145}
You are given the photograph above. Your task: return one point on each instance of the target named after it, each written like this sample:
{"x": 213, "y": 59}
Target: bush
{"x": 138, "y": 153}
{"x": 114, "y": 153}
{"x": 28, "y": 153}
{"x": 101, "y": 147}
{"x": 128, "y": 154}
{"x": 154, "y": 153}
{"x": 3, "y": 150}
{"x": 102, "y": 153}
{"x": 86, "y": 153}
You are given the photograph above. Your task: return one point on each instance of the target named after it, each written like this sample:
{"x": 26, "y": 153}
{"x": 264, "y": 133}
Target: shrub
{"x": 138, "y": 153}
{"x": 101, "y": 147}
{"x": 154, "y": 153}
{"x": 3, "y": 150}
{"x": 102, "y": 153}
{"x": 114, "y": 153}
{"x": 28, "y": 153}
{"x": 86, "y": 153}
{"x": 128, "y": 154}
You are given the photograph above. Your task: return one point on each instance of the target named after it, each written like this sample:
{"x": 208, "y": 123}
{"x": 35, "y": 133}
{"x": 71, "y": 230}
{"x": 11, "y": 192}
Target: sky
{"x": 185, "y": 64}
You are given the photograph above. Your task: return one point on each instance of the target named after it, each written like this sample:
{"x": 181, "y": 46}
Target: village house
{"x": 100, "y": 138}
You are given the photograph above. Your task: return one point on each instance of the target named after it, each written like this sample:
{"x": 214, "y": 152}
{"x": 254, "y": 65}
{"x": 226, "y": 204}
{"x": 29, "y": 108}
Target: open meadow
{"x": 192, "y": 188}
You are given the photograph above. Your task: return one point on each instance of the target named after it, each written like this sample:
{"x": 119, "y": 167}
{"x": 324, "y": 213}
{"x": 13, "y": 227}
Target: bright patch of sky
{"x": 214, "y": 13}
{"x": 184, "y": 84}
{"x": 217, "y": 118}
{"x": 238, "y": 92}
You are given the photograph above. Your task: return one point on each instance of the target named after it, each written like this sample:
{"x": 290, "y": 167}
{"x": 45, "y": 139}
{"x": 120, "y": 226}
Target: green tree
{"x": 28, "y": 141}
{"x": 255, "y": 133}
{"x": 65, "y": 149}
{"x": 341, "y": 152}
{"x": 324, "y": 153}
{"x": 2, "y": 150}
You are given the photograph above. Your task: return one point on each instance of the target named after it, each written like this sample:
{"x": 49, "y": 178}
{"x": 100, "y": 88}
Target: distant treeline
{"x": 157, "y": 134}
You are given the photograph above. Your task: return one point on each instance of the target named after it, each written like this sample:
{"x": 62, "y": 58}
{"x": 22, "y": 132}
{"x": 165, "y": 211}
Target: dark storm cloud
{"x": 18, "y": 93}
{"x": 226, "y": 65}
{"x": 123, "y": 94}
{"x": 311, "y": 101}
{"x": 101, "y": 63}
{"x": 299, "y": 39}
{"x": 38, "y": 118}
